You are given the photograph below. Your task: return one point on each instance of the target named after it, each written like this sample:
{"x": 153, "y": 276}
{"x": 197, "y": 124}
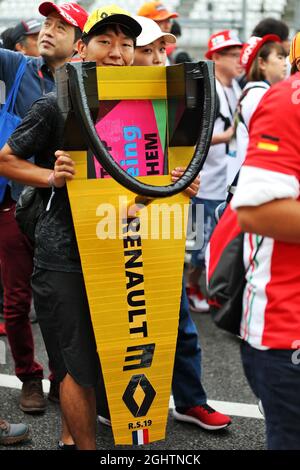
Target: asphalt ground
{"x": 222, "y": 378}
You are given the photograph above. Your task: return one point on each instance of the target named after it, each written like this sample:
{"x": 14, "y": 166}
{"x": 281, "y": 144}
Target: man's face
{"x": 152, "y": 54}
{"x": 165, "y": 25}
{"x": 227, "y": 62}
{"x": 56, "y": 38}
{"x": 108, "y": 49}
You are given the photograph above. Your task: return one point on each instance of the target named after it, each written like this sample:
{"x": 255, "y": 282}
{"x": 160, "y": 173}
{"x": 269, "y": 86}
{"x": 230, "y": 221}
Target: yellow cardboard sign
{"x": 133, "y": 267}
{"x": 132, "y": 83}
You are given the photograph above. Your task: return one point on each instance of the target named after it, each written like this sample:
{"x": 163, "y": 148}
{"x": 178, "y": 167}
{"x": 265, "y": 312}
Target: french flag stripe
{"x": 146, "y": 436}
{"x": 140, "y": 437}
{"x": 135, "y": 438}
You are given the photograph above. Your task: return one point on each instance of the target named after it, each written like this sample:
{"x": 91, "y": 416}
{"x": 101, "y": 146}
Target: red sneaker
{"x": 204, "y": 416}
{"x": 197, "y": 301}
{"x": 2, "y": 329}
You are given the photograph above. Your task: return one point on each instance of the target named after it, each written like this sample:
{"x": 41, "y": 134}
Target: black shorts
{"x": 63, "y": 313}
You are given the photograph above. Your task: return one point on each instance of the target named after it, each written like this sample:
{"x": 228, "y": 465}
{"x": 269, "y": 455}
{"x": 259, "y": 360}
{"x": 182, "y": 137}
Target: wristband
{"x": 51, "y": 180}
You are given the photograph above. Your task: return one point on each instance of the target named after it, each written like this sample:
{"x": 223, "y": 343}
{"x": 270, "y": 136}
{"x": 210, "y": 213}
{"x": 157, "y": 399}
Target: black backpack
{"x": 28, "y": 210}
{"x": 226, "y": 273}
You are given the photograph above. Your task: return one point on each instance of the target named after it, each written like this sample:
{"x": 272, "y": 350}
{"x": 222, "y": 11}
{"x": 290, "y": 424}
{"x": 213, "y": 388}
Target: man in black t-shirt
{"x": 41, "y": 132}
{"x": 58, "y": 285}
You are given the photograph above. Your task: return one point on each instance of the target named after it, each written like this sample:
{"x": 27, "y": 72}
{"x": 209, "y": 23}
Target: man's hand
{"x": 223, "y": 137}
{"x": 193, "y": 189}
{"x": 64, "y": 169}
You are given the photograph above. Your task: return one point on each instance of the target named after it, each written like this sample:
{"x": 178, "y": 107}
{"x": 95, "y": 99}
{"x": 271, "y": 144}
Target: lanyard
{"x": 227, "y": 99}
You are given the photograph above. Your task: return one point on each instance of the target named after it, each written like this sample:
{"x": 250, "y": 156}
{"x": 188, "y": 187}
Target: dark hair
{"x": 271, "y": 26}
{"x": 181, "y": 56}
{"x": 7, "y": 42}
{"x": 255, "y": 73}
{"x": 21, "y": 40}
{"x": 176, "y": 29}
{"x": 116, "y": 28}
{"x": 78, "y": 34}
{"x": 294, "y": 69}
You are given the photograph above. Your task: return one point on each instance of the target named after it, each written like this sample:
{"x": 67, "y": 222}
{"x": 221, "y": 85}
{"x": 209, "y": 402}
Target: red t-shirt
{"x": 271, "y": 316}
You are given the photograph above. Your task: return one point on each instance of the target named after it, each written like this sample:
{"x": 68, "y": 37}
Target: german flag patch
{"x": 268, "y": 142}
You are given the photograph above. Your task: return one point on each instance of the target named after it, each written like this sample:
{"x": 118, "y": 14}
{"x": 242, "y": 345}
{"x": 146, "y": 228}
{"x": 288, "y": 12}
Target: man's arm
{"x": 222, "y": 137}
{"x": 278, "y": 219}
{"x": 38, "y": 131}
{"x": 23, "y": 171}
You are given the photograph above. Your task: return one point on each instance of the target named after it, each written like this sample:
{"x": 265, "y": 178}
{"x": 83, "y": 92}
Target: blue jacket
{"x": 37, "y": 80}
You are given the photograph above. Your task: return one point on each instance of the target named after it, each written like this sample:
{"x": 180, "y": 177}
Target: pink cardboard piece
{"x": 131, "y": 136}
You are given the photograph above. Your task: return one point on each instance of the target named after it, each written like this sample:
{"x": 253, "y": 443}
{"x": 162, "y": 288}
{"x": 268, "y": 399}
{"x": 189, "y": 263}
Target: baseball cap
{"x": 222, "y": 40}
{"x": 156, "y": 11}
{"x": 71, "y": 13}
{"x": 151, "y": 32}
{"x": 295, "y": 49}
{"x": 111, "y": 14}
{"x": 251, "y": 48}
{"x": 25, "y": 28}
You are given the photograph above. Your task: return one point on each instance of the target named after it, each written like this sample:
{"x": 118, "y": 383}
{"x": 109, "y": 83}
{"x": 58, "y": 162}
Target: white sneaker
{"x": 261, "y": 408}
{"x": 104, "y": 421}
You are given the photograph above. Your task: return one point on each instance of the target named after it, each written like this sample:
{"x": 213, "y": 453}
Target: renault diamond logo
{"x": 139, "y": 395}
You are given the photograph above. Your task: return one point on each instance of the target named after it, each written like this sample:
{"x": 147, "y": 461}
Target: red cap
{"x": 251, "y": 47}
{"x": 71, "y": 13}
{"x": 222, "y": 40}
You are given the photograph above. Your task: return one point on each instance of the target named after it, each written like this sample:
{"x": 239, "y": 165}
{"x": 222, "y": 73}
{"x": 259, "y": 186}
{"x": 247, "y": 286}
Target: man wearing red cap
{"x": 224, "y": 49}
{"x": 57, "y": 44}
{"x": 159, "y": 13}
{"x": 67, "y": 20}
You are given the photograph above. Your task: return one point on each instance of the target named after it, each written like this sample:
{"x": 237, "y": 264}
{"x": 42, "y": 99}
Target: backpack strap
{"x": 232, "y": 187}
{"x": 226, "y": 119}
{"x": 11, "y": 99}
{"x": 238, "y": 114}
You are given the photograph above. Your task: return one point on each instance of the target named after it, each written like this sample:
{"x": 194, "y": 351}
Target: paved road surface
{"x": 223, "y": 380}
